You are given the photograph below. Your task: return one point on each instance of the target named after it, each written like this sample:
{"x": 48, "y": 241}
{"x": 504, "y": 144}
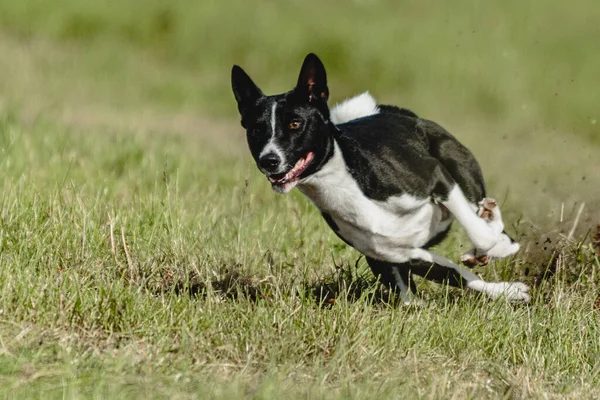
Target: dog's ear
{"x": 245, "y": 91}
{"x": 312, "y": 82}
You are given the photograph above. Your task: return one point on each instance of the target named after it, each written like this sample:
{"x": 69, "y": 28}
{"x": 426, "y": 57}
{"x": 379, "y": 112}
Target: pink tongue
{"x": 298, "y": 168}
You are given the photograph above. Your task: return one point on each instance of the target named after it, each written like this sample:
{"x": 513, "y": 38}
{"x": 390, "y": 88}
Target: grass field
{"x": 143, "y": 256}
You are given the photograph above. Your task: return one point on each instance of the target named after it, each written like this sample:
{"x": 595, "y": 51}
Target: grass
{"x": 143, "y": 256}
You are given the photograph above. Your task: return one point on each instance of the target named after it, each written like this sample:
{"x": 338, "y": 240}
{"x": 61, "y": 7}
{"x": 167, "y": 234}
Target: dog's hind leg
{"x": 439, "y": 269}
{"x": 396, "y": 276}
{"x": 490, "y": 213}
{"x": 483, "y": 225}
{"x": 463, "y": 179}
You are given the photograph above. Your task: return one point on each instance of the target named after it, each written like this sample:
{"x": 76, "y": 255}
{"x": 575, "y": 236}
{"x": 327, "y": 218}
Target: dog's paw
{"x": 512, "y": 291}
{"x": 472, "y": 259}
{"x": 490, "y": 212}
{"x": 414, "y": 302}
{"x": 487, "y": 206}
{"x": 504, "y": 247}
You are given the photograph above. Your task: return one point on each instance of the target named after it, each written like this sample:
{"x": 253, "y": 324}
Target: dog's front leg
{"x": 483, "y": 224}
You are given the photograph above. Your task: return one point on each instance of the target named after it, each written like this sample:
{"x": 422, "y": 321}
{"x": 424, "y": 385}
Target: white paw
{"x": 515, "y": 291}
{"x": 472, "y": 259}
{"x": 414, "y": 302}
{"x": 490, "y": 212}
{"x": 512, "y": 291}
{"x": 468, "y": 256}
{"x": 503, "y": 248}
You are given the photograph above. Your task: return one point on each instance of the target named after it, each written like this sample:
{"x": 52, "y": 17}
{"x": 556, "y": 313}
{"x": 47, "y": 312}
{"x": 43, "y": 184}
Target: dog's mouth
{"x": 284, "y": 182}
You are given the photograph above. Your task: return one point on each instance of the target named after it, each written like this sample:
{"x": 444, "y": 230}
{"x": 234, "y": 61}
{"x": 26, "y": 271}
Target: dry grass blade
{"x": 576, "y": 222}
{"x": 132, "y": 274}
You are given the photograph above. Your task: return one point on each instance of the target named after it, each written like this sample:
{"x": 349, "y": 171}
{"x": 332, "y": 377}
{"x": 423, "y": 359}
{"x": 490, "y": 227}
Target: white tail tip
{"x": 358, "y": 106}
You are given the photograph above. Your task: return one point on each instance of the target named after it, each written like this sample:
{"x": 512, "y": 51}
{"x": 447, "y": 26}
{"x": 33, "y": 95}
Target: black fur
{"x": 395, "y": 152}
{"x": 307, "y": 103}
{"x": 388, "y": 154}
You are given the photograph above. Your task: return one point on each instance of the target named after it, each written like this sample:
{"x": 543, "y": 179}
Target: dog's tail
{"x": 361, "y": 106}
{"x": 356, "y": 107}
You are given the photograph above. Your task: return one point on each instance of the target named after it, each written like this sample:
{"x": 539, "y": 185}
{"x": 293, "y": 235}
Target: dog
{"x": 387, "y": 182}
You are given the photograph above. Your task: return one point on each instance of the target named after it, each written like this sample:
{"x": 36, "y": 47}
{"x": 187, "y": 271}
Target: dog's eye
{"x": 254, "y": 131}
{"x": 295, "y": 124}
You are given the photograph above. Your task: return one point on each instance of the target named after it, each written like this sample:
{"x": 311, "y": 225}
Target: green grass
{"x": 143, "y": 256}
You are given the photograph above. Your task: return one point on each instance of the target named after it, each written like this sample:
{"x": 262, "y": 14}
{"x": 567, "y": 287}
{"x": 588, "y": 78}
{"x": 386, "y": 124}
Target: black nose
{"x": 269, "y": 162}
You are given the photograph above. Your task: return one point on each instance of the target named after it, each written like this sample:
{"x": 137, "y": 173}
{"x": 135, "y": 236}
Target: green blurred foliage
{"x": 534, "y": 60}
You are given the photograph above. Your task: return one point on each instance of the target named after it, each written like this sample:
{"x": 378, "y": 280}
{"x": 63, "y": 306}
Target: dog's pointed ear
{"x": 244, "y": 89}
{"x": 312, "y": 82}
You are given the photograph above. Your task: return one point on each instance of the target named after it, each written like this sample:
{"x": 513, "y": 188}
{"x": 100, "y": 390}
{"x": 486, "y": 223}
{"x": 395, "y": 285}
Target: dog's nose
{"x": 269, "y": 162}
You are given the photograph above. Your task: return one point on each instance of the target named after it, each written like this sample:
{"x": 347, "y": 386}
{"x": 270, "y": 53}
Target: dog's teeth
{"x": 292, "y": 175}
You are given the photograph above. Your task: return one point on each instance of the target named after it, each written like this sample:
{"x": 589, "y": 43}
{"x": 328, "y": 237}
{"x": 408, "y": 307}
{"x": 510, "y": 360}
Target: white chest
{"x": 375, "y": 228}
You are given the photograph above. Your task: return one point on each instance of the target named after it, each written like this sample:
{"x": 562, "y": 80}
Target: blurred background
{"x": 516, "y": 81}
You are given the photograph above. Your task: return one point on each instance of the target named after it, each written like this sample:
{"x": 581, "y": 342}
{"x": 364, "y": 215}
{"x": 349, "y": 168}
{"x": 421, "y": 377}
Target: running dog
{"x": 387, "y": 182}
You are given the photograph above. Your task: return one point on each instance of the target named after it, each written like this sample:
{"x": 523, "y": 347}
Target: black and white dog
{"x": 386, "y": 181}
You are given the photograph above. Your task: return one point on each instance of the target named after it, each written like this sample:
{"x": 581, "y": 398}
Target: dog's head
{"x": 288, "y": 134}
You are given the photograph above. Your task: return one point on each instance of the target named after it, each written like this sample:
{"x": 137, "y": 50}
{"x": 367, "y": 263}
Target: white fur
{"x": 480, "y": 233}
{"x": 495, "y": 220}
{"x": 504, "y": 247}
{"x": 486, "y": 235}
{"x": 358, "y": 106}
{"x": 273, "y": 119}
{"x": 395, "y": 230}
{"x": 378, "y": 229}
{"x": 271, "y": 146}
{"x": 513, "y": 291}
